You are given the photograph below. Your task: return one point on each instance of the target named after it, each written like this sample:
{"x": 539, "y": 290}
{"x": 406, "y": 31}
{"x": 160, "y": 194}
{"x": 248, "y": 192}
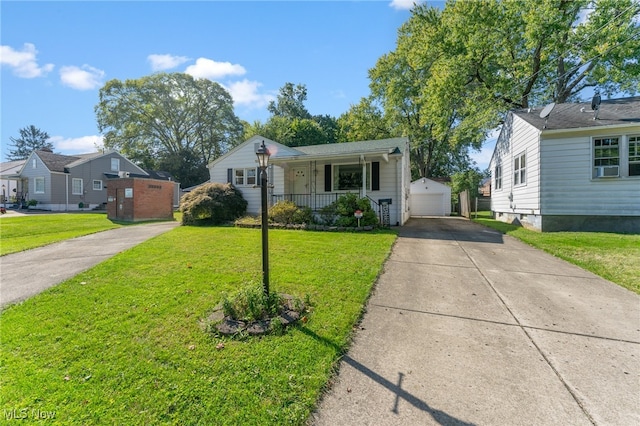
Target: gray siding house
{"x": 64, "y": 182}
{"x": 575, "y": 169}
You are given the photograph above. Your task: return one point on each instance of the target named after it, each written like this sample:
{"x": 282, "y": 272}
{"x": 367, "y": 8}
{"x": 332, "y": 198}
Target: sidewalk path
{"x": 467, "y": 326}
{"x": 27, "y": 273}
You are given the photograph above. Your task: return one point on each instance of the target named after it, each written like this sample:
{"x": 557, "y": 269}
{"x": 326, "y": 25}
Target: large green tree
{"x": 291, "y": 124}
{"x": 162, "y": 118}
{"x": 31, "y": 139}
{"x": 455, "y": 72}
{"x": 364, "y": 121}
{"x": 290, "y": 102}
{"x": 522, "y": 53}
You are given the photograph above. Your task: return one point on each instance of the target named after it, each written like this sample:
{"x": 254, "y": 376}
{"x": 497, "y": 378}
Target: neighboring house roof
{"x": 11, "y": 168}
{"x": 83, "y": 158}
{"x": 623, "y": 111}
{"x": 55, "y": 162}
{"x": 159, "y": 175}
{"x": 62, "y": 163}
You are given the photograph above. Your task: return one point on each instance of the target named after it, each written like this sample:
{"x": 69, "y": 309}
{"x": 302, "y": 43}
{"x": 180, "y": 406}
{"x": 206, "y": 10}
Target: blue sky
{"x": 57, "y": 55}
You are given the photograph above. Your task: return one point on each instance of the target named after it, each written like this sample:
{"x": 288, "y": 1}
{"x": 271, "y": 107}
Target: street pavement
{"x": 27, "y": 273}
{"x": 467, "y": 326}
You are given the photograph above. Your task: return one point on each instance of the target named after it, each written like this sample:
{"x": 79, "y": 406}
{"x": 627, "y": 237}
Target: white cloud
{"x": 165, "y": 62}
{"x": 245, "y": 92}
{"x": 207, "y": 68}
{"x": 81, "y": 78}
{"x": 338, "y": 94}
{"x": 23, "y": 62}
{"x": 404, "y": 4}
{"x": 81, "y": 145}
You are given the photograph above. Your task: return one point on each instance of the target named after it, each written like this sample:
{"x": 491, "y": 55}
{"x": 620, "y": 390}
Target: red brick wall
{"x": 152, "y": 199}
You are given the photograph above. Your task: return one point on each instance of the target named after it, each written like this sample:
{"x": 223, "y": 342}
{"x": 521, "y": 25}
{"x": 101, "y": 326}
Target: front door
{"x": 120, "y": 203}
{"x": 300, "y": 180}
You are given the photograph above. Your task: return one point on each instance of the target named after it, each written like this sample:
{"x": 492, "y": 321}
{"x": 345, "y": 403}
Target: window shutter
{"x": 327, "y": 178}
{"x": 229, "y": 175}
{"x": 375, "y": 176}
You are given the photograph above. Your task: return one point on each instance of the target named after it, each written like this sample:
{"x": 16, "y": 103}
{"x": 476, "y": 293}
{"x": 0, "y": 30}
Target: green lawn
{"x": 123, "y": 343}
{"x": 27, "y": 232}
{"x": 612, "y": 256}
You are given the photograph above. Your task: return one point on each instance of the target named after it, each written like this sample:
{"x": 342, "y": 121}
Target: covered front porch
{"x": 316, "y": 184}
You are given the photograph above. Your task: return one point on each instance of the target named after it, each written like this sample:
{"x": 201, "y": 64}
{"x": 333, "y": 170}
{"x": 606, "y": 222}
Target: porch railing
{"x": 314, "y": 201}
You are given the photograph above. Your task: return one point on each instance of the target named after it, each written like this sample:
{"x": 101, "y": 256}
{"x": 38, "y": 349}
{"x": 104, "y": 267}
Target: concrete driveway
{"x": 467, "y": 326}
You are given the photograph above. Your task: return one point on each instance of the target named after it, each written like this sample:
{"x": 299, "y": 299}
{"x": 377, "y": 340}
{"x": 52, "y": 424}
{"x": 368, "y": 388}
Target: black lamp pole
{"x": 263, "y": 161}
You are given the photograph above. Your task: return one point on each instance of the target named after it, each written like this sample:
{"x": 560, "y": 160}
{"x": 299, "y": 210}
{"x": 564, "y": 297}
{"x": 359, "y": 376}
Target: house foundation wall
{"x": 573, "y": 223}
{"x": 621, "y": 224}
{"x": 64, "y": 207}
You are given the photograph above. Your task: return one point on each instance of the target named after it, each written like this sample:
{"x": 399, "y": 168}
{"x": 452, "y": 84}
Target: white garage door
{"x": 427, "y": 205}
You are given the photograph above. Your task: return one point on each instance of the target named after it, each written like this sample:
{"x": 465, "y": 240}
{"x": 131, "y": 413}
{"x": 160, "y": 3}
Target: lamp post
{"x": 263, "y": 161}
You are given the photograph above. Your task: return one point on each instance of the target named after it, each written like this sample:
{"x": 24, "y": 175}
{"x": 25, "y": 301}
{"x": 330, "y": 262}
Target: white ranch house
{"x": 576, "y": 169}
{"x": 317, "y": 175}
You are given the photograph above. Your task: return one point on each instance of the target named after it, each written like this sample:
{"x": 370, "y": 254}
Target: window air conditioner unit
{"x": 123, "y": 174}
{"x": 606, "y": 171}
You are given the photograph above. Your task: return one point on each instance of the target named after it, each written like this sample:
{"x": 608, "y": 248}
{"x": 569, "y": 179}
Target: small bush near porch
{"x": 212, "y": 204}
{"x": 342, "y": 212}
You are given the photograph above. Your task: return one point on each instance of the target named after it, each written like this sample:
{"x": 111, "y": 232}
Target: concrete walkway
{"x": 470, "y": 327}
{"x": 27, "y": 273}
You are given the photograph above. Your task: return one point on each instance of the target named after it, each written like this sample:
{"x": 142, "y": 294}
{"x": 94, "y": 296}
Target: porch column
{"x": 364, "y": 177}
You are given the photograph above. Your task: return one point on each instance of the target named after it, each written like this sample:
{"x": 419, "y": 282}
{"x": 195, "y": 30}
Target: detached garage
{"x": 430, "y": 198}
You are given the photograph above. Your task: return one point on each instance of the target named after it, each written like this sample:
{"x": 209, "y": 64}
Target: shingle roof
{"x": 347, "y": 148}
{"x": 580, "y": 115}
{"x": 11, "y": 167}
{"x": 56, "y": 162}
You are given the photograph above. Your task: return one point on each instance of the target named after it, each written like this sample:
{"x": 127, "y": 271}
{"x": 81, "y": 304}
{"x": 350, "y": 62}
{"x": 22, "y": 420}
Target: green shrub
{"x": 286, "y": 212}
{"x": 343, "y": 211}
{"x": 251, "y": 304}
{"x": 328, "y": 214}
{"x": 212, "y": 203}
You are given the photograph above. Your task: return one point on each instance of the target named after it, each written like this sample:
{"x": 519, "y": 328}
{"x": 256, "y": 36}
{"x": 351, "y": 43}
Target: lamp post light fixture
{"x": 263, "y": 161}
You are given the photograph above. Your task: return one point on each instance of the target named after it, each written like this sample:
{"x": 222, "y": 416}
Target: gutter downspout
{"x": 66, "y": 192}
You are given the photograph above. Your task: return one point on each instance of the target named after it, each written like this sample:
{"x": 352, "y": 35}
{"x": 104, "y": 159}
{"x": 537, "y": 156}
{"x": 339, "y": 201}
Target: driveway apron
{"x": 467, "y": 326}
{"x": 27, "y": 273}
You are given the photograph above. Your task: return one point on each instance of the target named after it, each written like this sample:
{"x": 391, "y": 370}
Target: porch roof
{"x": 382, "y": 147}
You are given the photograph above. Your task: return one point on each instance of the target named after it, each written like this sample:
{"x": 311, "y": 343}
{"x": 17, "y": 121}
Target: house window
{"x": 244, "y": 177}
{"x": 606, "y": 157}
{"x": 34, "y": 163}
{"x": 76, "y": 186}
{"x": 251, "y": 176}
{"x": 38, "y": 185}
{"x": 349, "y": 177}
{"x": 97, "y": 185}
{"x": 519, "y": 170}
{"x": 238, "y": 177}
{"x": 634, "y": 155}
{"x": 497, "y": 176}
{"x": 115, "y": 164}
